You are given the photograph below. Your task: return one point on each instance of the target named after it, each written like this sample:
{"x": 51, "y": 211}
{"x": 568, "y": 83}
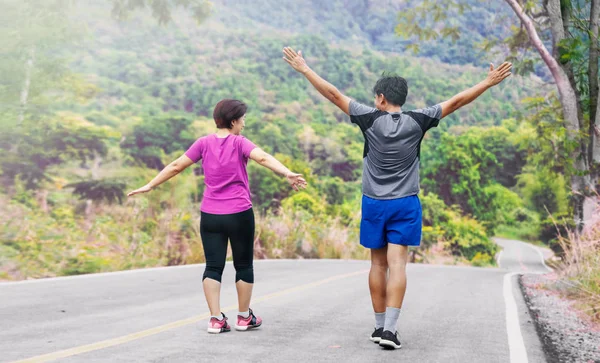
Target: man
{"x": 391, "y": 211}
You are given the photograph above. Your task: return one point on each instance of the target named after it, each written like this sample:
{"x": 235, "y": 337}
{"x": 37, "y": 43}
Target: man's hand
{"x": 495, "y": 76}
{"x": 325, "y": 88}
{"x": 499, "y": 74}
{"x": 295, "y": 60}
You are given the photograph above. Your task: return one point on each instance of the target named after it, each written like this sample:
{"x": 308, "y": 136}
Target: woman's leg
{"x": 241, "y": 236}
{"x": 214, "y": 242}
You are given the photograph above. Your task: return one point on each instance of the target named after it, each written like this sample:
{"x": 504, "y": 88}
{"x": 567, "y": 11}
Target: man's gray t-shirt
{"x": 392, "y": 147}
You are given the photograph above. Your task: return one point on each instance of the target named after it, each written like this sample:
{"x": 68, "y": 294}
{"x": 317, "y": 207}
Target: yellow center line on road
{"x": 176, "y": 324}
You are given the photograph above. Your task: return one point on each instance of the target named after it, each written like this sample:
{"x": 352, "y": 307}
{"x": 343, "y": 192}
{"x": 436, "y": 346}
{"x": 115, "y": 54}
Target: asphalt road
{"x": 313, "y": 311}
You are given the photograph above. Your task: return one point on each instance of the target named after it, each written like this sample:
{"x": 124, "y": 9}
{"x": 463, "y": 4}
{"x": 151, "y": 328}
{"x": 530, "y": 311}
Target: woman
{"x": 226, "y": 209}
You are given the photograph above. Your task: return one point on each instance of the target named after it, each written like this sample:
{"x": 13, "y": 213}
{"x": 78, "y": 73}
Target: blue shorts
{"x": 397, "y": 221}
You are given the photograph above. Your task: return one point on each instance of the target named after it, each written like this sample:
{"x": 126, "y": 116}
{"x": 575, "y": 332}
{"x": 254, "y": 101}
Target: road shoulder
{"x": 563, "y": 334}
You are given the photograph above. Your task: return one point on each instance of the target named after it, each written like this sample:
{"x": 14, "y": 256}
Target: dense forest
{"x": 110, "y": 103}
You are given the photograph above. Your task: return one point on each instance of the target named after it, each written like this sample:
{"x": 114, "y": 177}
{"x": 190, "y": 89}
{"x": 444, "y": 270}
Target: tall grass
{"x": 70, "y": 238}
{"x": 580, "y": 266}
{"x": 297, "y": 234}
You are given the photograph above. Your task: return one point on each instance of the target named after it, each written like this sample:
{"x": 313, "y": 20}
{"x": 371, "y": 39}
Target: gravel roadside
{"x": 565, "y": 336}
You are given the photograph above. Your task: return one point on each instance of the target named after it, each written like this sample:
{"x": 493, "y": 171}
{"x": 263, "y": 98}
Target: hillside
{"x": 368, "y": 22}
{"x": 132, "y": 96}
{"x": 184, "y": 67}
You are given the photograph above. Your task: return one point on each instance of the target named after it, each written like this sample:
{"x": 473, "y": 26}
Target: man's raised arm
{"x": 325, "y": 88}
{"x": 494, "y": 77}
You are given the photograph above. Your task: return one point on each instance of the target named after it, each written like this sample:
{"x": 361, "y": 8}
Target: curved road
{"x": 313, "y": 310}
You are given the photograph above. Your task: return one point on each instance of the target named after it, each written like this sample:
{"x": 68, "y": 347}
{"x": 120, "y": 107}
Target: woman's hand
{"x": 145, "y": 189}
{"x": 296, "y": 181}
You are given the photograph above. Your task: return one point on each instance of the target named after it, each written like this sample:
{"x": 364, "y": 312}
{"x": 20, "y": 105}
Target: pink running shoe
{"x": 216, "y": 326}
{"x": 251, "y": 322}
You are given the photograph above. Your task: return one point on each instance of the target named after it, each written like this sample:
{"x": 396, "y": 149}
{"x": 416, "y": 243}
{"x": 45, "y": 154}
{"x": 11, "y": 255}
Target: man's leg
{"x": 378, "y": 282}
{"x": 372, "y": 227}
{"x": 397, "y": 257}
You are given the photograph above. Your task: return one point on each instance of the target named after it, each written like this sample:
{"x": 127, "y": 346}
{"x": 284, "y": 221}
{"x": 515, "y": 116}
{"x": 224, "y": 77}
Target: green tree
{"x": 161, "y": 135}
{"x": 99, "y": 190}
{"x": 32, "y": 63}
{"x": 56, "y": 140}
{"x": 162, "y": 10}
{"x": 268, "y": 189}
{"x": 473, "y": 170}
{"x": 572, "y": 28}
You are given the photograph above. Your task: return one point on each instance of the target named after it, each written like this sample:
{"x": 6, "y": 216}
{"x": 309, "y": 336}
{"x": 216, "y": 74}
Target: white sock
{"x": 391, "y": 319}
{"x": 244, "y": 314}
{"x": 220, "y": 317}
{"x": 379, "y": 320}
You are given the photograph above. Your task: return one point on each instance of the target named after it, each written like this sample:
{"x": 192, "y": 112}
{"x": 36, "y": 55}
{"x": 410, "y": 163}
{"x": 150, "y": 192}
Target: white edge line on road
{"x": 98, "y": 274}
{"x": 499, "y": 257}
{"x": 543, "y": 259}
{"x": 537, "y": 249}
{"x": 516, "y": 345}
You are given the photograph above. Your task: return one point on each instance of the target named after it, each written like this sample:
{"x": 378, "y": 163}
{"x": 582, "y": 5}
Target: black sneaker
{"x": 376, "y": 336}
{"x": 390, "y": 340}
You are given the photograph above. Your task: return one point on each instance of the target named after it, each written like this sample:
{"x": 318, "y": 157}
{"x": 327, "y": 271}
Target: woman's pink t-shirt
{"x": 224, "y": 162}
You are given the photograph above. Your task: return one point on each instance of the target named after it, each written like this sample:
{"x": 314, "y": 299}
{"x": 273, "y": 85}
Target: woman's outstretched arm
{"x": 167, "y": 173}
{"x": 268, "y": 161}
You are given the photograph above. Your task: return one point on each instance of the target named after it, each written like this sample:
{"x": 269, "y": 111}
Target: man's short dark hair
{"x": 226, "y": 111}
{"x": 394, "y": 88}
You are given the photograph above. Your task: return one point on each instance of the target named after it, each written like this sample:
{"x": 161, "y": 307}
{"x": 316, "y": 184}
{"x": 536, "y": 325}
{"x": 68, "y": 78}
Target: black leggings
{"x": 215, "y": 230}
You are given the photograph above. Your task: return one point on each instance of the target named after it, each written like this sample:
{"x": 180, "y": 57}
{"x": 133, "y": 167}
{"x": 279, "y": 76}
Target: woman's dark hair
{"x": 394, "y": 88}
{"x": 226, "y": 111}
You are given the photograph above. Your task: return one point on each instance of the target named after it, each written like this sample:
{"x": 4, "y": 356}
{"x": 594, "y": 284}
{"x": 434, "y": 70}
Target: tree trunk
{"x": 26, "y": 86}
{"x": 580, "y": 182}
{"x": 594, "y": 131}
{"x": 593, "y": 63}
{"x": 96, "y": 166}
{"x": 596, "y": 141}
{"x": 563, "y": 18}
{"x": 42, "y": 196}
{"x": 23, "y": 100}
{"x": 89, "y": 209}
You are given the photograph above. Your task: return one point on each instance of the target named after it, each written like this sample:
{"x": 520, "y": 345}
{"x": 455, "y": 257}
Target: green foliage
{"x": 35, "y": 30}
{"x": 372, "y": 24}
{"x": 417, "y": 21}
{"x": 161, "y": 9}
{"x": 135, "y": 96}
{"x": 500, "y": 204}
{"x": 545, "y": 192}
{"x": 60, "y": 139}
{"x": 154, "y": 138}
{"x": 303, "y": 201}
{"x": 556, "y": 227}
{"x": 268, "y": 189}
{"x": 543, "y": 136}
{"x": 83, "y": 263}
{"x": 151, "y": 70}
{"x": 482, "y": 259}
{"x": 463, "y": 236}
{"x": 99, "y": 190}
{"x": 543, "y": 186}
{"x": 336, "y": 190}
{"x": 463, "y": 169}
